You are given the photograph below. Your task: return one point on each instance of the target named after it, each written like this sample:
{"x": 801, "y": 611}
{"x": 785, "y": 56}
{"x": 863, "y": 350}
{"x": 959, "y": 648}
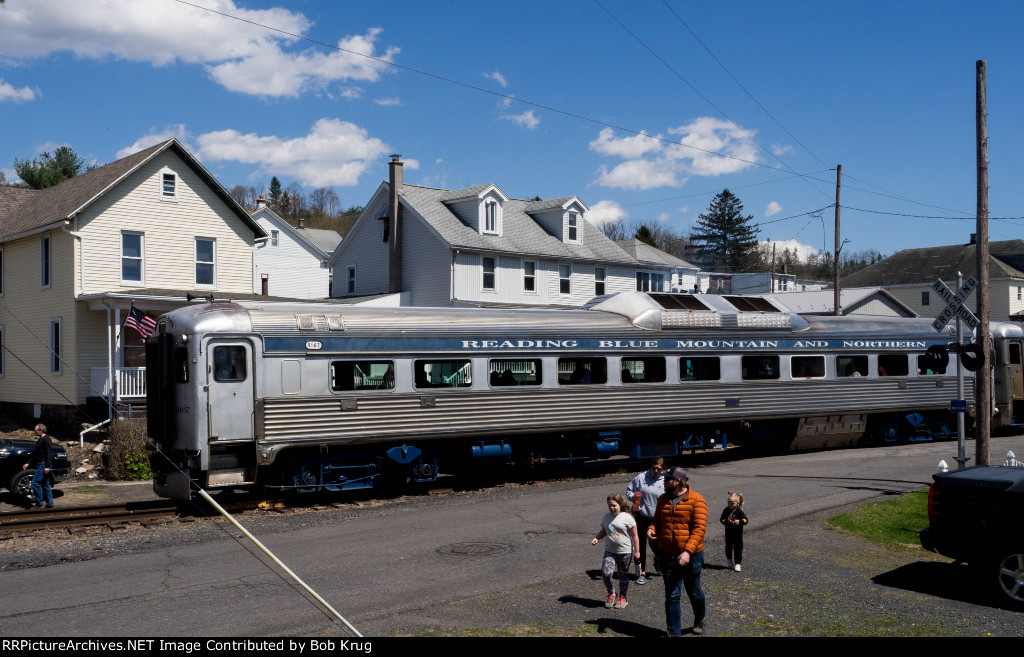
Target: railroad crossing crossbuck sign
{"x": 955, "y": 304}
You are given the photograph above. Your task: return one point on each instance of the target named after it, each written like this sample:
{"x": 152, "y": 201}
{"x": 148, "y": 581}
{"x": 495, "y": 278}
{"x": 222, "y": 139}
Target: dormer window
{"x": 574, "y": 221}
{"x": 491, "y": 217}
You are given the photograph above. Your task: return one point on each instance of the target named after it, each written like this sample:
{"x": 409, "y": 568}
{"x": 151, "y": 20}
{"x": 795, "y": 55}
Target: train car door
{"x": 230, "y": 389}
{"x": 1016, "y": 371}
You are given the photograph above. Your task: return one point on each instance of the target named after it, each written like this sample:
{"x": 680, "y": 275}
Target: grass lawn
{"x": 894, "y": 523}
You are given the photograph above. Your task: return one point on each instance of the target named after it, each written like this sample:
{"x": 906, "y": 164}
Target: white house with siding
{"x": 909, "y": 275}
{"x": 292, "y": 261}
{"x": 477, "y": 246}
{"x": 146, "y": 230}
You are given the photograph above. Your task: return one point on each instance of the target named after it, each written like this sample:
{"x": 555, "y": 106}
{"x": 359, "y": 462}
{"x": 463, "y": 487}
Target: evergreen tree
{"x": 275, "y": 194}
{"x": 644, "y": 234}
{"x": 50, "y": 170}
{"x": 724, "y": 238}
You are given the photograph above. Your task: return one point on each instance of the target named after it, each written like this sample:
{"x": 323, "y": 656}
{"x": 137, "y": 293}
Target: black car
{"x": 974, "y": 517}
{"x": 16, "y": 453}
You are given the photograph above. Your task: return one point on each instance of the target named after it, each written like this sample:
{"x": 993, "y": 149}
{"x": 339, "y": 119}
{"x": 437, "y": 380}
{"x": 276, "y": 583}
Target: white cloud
{"x": 388, "y": 102}
{"x": 351, "y": 93}
{"x": 781, "y": 150}
{"x": 605, "y": 212}
{"x": 801, "y": 250}
{"x": 527, "y": 119}
{"x": 334, "y": 153}
{"x": 155, "y": 137}
{"x": 234, "y": 53}
{"x": 497, "y": 77}
{"x": 627, "y": 147}
{"x": 9, "y": 93}
{"x": 663, "y": 216}
{"x": 773, "y": 208}
{"x": 650, "y": 162}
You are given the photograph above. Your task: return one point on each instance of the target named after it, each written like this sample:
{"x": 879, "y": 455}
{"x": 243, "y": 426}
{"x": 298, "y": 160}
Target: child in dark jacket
{"x": 734, "y": 519}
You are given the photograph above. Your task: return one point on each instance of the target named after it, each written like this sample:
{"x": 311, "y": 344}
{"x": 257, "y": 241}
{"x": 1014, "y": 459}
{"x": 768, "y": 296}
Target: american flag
{"x": 140, "y": 321}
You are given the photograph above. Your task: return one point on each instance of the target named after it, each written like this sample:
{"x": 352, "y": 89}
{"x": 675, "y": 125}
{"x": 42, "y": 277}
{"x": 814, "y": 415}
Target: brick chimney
{"x": 395, "y": 225}
{"x": 974, "y": 239}
{"x": 302, "y": 222}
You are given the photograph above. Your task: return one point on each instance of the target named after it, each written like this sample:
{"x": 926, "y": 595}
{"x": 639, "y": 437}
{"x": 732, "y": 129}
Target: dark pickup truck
{"x": 16, "y": 453}
{"x": 974, "y": 516}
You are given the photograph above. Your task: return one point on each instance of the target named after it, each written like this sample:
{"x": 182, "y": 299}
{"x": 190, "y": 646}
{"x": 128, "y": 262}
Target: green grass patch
{"x": 894, "y": 523}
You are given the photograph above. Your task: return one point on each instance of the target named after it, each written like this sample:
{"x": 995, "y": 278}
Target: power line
{"x": 763, "y": 108}
{"x": 697, "y": 91}
{"x": 677, "y": 198}
{"x": 474, "y": 87}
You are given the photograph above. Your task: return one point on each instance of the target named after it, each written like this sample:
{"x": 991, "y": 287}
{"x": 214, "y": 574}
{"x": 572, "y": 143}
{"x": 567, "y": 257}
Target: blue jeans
{"x": 41, "y": 486}
{"x": 676, "y": 578}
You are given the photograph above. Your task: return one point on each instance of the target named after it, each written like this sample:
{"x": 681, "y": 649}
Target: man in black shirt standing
{"x": 42, "y": 460}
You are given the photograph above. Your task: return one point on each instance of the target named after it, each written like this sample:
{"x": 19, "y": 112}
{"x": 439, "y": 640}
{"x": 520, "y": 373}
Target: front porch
{"x": 129, "y": 383}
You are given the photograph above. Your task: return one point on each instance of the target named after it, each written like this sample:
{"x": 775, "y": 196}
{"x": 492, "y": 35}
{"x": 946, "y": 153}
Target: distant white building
{"x": 681, "y": 278}
{"x": 477, "y": 246}
{"x": 872, "y": 301}
{"x": 743, "y": 283}
{"x": 291, "y": 262}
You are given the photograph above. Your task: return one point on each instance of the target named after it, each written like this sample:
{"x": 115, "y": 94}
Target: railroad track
{"x": 85, "y": 516}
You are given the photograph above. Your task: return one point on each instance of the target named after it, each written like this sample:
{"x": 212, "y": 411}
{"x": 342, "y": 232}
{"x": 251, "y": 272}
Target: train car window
{"x": 1014, "y": 354}
{"x": 650, "y": 369}
{"x": 807, "y": 367}
{"x": 893, "y": 365}
{"x": 523, "y": 372}
{"x": 851, "y": 366}
{"x": 760, "y": 367}
{"x": 923, "y": 368}
{"x": 582, "y": 371}
{"x": 362, "y": 375}
{"x": 700, "y": 368}
{"x": 443, "y": 374}
{"x": 229, "y": 363}
{"x": 180, "y": 365}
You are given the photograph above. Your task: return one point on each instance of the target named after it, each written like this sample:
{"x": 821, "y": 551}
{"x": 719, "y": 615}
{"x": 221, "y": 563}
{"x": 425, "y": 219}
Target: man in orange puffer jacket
{"x": 680, "y": 521}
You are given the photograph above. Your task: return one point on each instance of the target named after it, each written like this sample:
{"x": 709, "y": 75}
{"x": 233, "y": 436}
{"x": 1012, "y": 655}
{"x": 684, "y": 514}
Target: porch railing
{"x": 131, "y": 382}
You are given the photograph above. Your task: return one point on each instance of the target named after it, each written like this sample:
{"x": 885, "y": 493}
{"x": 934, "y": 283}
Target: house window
{"x": 1019, "y": 289}
{"x": 274, "y": 235}
{"x": 488, "y": 267}
{"x": 169, "y": 187}
{"x": 491, "y": 217}
{"x": 529, "y": 276}
{"x": 574, "y": 219}
{"x": 657, "y": 282}
{"x": 55, "y": 352}
{"x": 44, "y": 261}
{"x": 598, "y": 281}
{"x": 131, "y": 257}
{"x": 564, "y": 279}
{"x": 643, "y": 281}
{"x": 925, "y": 298}
{"x": 205, "y": 261}
{"x": 351, "y": 280}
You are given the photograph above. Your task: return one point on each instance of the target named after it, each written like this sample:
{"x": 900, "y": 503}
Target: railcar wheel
{"x": 1011, "y": 576}
{"x": 21, "y": 484}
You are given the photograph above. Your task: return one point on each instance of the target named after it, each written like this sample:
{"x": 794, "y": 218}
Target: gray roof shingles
{"x": 916, "y": 266}
{"x": 521, "y": 234}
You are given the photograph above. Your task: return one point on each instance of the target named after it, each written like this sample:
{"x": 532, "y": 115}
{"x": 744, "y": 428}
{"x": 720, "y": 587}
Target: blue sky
{"x": 629, "y": 105}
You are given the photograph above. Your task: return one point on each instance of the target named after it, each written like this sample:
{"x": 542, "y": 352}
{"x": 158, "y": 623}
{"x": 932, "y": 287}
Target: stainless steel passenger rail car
{"x": 310, "y": 396}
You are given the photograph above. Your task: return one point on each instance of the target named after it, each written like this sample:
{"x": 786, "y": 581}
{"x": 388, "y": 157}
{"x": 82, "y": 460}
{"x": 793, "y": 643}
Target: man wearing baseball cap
{"x": 680, "y": 521}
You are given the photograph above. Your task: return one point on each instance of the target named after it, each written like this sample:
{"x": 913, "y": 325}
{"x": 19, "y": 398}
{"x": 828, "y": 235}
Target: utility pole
{"x": 983, "y": 377}
{"x": 773, "y": 267}
{"x": 835, "y": 259}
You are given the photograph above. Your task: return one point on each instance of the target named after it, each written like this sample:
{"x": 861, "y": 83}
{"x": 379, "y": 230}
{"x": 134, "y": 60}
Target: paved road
{"x": 514, "y": 555}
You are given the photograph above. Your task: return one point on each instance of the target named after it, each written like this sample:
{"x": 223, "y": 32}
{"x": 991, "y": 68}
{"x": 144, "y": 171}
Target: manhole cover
{"x": 473, "y": 549}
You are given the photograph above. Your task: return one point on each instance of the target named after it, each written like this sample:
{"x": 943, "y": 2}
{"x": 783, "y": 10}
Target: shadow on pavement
{"x": 623, "y": 627}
